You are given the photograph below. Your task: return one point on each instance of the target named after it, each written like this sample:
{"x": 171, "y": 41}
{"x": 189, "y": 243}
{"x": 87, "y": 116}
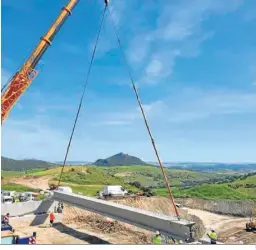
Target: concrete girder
{"x": 167, "y": 225}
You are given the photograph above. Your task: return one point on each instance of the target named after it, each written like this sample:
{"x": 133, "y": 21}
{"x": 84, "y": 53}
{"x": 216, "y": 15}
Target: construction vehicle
{"x": 6, "y": 199}
{"x": 251, "y": 224}
{"x": 52, "y": 187}
{"x": 60, "y": 188}
{"x": 24, "y": 77}
{"x": 113, "y": 191}
{"x": 27, "y": 196}
{"x": 8, "y": 236}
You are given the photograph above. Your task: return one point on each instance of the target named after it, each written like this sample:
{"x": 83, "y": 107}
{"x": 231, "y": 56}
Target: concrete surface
{"x": 178, "y": 229}
{"x": 30, "y": 207}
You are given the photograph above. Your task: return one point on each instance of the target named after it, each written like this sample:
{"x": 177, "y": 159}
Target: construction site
{"x": 79, "y": 226}
{"x": 133, "y": 220}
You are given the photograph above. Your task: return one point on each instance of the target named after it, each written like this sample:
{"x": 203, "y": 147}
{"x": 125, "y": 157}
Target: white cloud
{"x": 44, "y": 137}
{"x": 178, "y": 33}
{"x": 138, "y": 48}
{"x": 154, "y": 68}
{"x": 190, "y": 105}
{"x": 160, "y": 66}
{"x": 215, "y": 103}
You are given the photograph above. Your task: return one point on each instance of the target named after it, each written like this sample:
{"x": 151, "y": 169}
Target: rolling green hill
{"x": 152, "y": 176}
{"x": 22, "y": 165}
{"x": 241, "y": 189}
{"x": 89, "y": 180}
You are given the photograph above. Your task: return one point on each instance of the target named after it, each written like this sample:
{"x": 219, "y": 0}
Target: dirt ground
{"x": 229, "y": 229}
{"x": 81, "y": 227}
{"x": 33, "y": 182}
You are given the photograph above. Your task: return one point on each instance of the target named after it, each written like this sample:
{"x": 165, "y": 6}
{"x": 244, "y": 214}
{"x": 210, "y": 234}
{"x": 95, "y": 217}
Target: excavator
{"x": 251, "y": 224}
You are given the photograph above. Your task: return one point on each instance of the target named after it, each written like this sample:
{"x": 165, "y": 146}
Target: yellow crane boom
{"x": 24, "y": 77}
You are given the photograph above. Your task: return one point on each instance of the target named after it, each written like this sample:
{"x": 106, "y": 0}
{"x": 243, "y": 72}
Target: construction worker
{"x": 52, "y": 217}
{"x": 213, "y": 237}
{"x": 158, "y": 239}
{"x": 59, "y": 209}
{"x": 6, "y": 219}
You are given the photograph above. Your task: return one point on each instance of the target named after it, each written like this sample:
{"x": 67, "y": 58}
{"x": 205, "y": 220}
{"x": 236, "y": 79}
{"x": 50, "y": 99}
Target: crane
{"x": 24, "y": 77}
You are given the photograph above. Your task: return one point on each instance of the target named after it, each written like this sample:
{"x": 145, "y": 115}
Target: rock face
{"x": 120, "y": 159}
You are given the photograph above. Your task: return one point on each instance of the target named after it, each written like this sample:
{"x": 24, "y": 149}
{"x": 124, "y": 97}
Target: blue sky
{"x": 194, "y": 63}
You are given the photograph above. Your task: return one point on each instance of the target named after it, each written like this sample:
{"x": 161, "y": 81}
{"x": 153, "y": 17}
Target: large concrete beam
{"x": 171, "y": 226}
{"x": 29, "y": 207}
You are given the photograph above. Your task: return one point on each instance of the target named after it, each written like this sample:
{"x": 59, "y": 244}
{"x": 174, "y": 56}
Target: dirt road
{"x": 33, "y": 182}
{"x": 229, "y": 229}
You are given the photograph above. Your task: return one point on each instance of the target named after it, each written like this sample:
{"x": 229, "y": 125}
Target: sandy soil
{"x": 81, "y": 227}
{"x": 33, "y": 182}
{"x": 229, "y": 229}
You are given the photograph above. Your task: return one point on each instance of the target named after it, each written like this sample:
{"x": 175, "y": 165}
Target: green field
{"x": 248, "y": 180}
{"x": 11, "y": 174}
{"x": 148, "y": 175}
{"x": 89, "y": 180}
{"x": 216, "y": 191}
{"x": 208, "y": 192}
{"x": 17, "y": 188}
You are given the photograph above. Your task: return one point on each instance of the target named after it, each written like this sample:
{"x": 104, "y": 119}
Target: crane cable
{"x": 83, "y": 93}
{"x": 144, "y": 116}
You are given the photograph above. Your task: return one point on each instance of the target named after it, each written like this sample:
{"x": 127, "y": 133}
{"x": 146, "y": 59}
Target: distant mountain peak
{"x": 120, "y": 159}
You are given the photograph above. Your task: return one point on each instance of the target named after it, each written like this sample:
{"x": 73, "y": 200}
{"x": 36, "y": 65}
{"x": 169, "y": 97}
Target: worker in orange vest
{"x": 52, "y": 217}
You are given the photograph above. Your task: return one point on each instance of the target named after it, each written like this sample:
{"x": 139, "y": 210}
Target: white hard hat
{"x": 157, "y": 232}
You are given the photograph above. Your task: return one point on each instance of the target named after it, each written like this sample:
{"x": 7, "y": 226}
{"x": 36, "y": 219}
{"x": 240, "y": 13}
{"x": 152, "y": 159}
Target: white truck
{"x": 27, "y": 196}
{"x": 64, "y": 189}
{"x": 113, "y": 191}
{"x": 9, "y": 193}
{"x": 6, "y": 199}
